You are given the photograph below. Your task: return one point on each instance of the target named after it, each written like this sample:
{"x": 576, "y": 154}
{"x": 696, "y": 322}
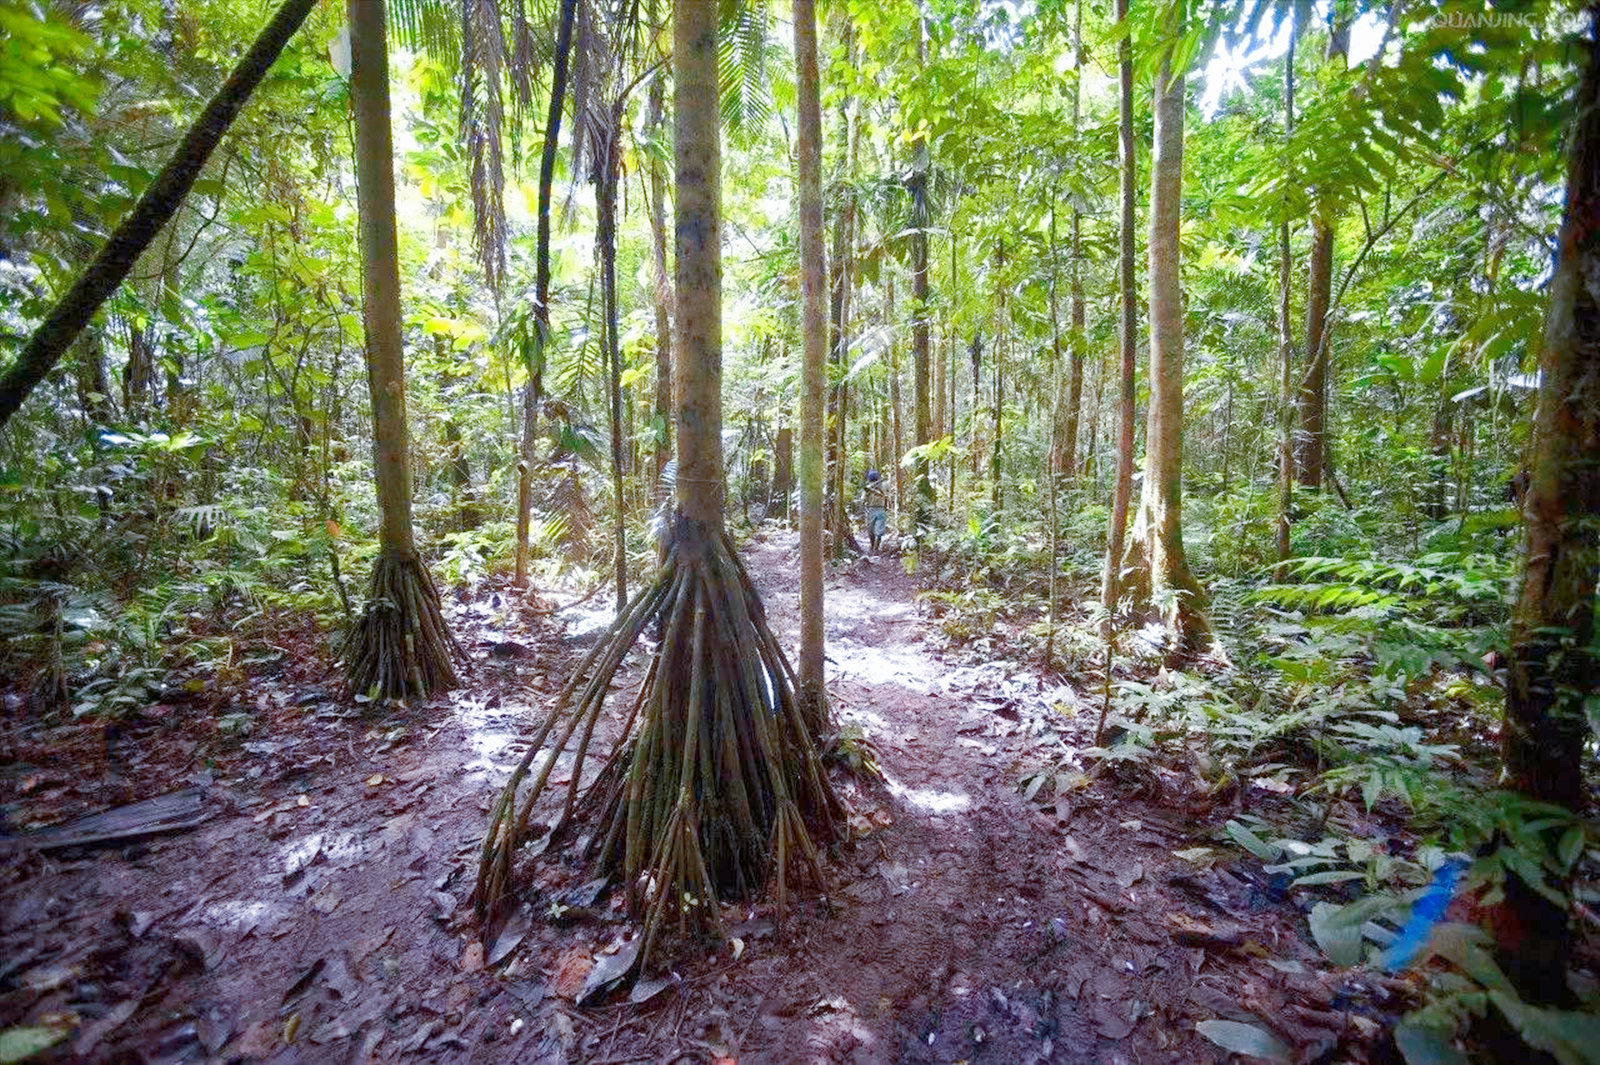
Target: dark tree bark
{"x": 1311, "y": 440}
{"x": 534, "y": 392}
{"x": 158, "y": 204}
{"x": 1553, "y": 668}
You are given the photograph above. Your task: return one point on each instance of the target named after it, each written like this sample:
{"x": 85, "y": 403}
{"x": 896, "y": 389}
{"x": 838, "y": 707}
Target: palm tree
{"x": 814, "y": 339}
{"x": 1111, "y": 587}
{"x": 400, "y": 646}
{"x": 717, "y": 783}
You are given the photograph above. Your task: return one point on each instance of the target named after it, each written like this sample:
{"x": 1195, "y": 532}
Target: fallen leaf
{"x": 374, "y": 780}
{"x": 472, "y": 958}
{"x": 572, "y": 970}
{"x": 615, "y": 964}
{"x": 511, "y": 936}
{"x": 20, "y": 1044}
{"x": 304, "y": 800}
{"x": 738, "y": 947}
{"x": 1247, "y": 1039}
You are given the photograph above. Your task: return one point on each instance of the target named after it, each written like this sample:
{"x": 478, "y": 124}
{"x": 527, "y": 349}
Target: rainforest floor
{"x": 312, "y": 904}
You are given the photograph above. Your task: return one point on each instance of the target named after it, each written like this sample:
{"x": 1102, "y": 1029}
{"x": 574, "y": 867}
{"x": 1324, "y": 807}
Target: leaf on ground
{"x": 374, "y": 780}
{"x": 20, "y": 1044}
{"x": 645, "y": 990}
{"x": 1247, "y": 1039}
{"x": 327, "y": 899}
{"x": 610, "y": 967}
{"x": 472, "y": 958}
{"x": 511, "y": 936}
{"x": 1421, "y": 1045}
{"x": 572, "y": 970}
{"x": 299, "y": 986}
{"x": 1253, "y": 843}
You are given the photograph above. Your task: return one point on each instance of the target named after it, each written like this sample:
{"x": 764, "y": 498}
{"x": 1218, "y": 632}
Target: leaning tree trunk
{"x": 1155, "y": 558}
{"x": 1111, "y": 585}
{"x": 533, "y": 394}
{"x": 400, "y": 647}
{"x": 158, "y": 204}
{"x": 1553, "y": 670}
{"x": 717, "y": 785}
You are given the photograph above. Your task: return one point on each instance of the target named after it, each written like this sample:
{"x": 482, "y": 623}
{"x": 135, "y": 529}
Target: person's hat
{"x": 872, "y": 475}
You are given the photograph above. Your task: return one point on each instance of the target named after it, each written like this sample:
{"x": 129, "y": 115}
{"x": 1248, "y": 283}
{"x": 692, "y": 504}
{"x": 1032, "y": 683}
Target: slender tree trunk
{"x": 400, "y": 647}
{"x": 662, "y": 408}
{"x": 1553, "y": 670}
{"x": 697, "y": 277}
{"x": 920, "y": 334}
{"x": 610, "y": 167}
{"x": 1155, "y": 551}
{"x": 533, "y": 395}
{"x": 1311, "y": 440}
{"x": 895, "y": 435}
{"x": 1111, "y": 585}
{"x": 1076, "y": 339}
{"x": 1285, "y": 342}
{"x": 158, "y": 204}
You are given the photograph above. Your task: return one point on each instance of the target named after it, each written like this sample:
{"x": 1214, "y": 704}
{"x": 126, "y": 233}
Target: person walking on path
{"x": 874, "y": 504}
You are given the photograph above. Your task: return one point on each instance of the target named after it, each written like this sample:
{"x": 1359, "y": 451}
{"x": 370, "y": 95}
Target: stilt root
{"x": 715, "y": 785}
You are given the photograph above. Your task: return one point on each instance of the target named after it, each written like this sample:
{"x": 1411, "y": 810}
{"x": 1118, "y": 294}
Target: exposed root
{"x": 401, "y": 646}
{"x": 715, "y": 785}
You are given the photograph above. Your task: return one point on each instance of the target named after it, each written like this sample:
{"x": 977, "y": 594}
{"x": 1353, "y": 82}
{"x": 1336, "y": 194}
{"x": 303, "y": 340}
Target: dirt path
{"x": 319, "y": 914}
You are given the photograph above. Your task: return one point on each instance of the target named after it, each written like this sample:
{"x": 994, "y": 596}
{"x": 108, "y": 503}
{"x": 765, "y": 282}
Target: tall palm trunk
{"x": 609, "y": 165}
{"x": 400, "y": 647}
{"x": 717, "y": 786}
{"x": 1111, "y": 585}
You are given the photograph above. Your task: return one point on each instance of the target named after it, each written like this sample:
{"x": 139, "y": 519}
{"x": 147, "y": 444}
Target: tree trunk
{"x": 1553, "y": 670}
{"x": 1285, "y": 342}
{"x": 609, "y": 167}
{"x": 1111, "y": 584}
{"x": 663, "y": 291}
{"x": 1311, "y": 440}
{"x": 158, "y": 204}
{"x": 1155, "y": 552}
{"x": 533, "y": 395}
{"x": 1076, "y": 339}
{"x": 919, "y": 308}
{"x": 400, "y": 646}
{"x": 697, "y": 276}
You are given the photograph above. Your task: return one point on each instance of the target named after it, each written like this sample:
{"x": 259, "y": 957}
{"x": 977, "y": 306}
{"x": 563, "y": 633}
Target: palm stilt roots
{"x": 401, "y": 645}
{"x": 715, "y": 784}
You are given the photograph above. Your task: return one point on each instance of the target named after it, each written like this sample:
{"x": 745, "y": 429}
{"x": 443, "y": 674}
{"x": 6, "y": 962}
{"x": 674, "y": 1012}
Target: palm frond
{"x": 483, "y": 64}
{"x": 428, "y": 27}
{"x": 742, "y": 68}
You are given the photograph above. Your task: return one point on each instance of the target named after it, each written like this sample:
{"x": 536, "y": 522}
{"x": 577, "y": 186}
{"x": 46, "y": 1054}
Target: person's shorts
{"x": 877, "y": 520}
